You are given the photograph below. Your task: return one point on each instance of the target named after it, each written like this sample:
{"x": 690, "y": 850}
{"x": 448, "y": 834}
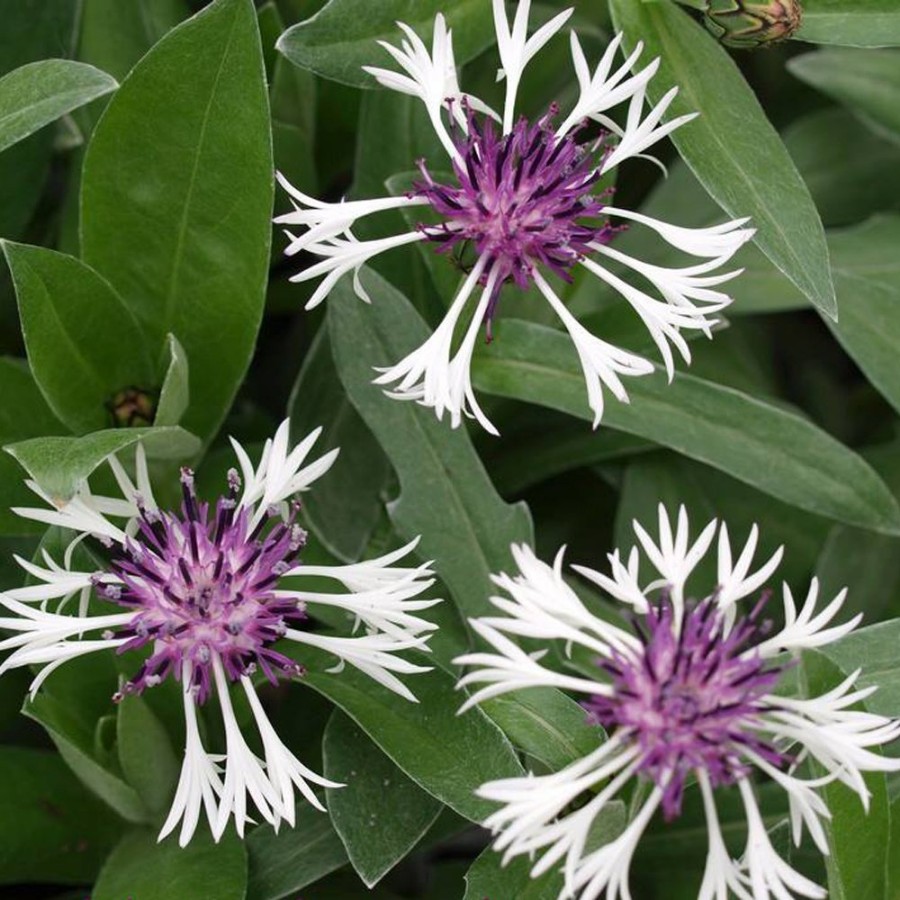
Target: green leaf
{"x": 59, "y": 464}
{"x": 115, "y": 35}
{"x": 489, "y": 878}
{"x": 174, "y": 395}
{"x": 854, "y": 23}
{"x": 41, "y": 92}
{"x": 874, "y": 650}
{"x": 51, "y": 828}
{"x": 446, "y": 754}
{"x": 30, "y": 32}
{"x": 284, "y": 863}
{"x": 867, "y": 274}
{"x": 141, "y": 868}
{"x": 765, "y": 446}
{"x": 148, "y": 759}
{"x": 343, "y": 512}
{"x": 724, "y": 145}
{"x": 859, "y": 840}
{"x": 23, "y": 414}
{"x": 83, "y": 343}
{"x": 182, "y": 231}
{"x": 380, "y": 814}
{"x": 867, "y": 82}
{"x": 76, "y": 746}
{"x": 445, "y": 494}
{"x": 341, "y": 39}
{"x": 547, "y": 724}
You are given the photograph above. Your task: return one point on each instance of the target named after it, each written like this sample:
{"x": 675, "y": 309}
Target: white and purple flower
{"x": 524, "y": 195}
{"x": 208, "y": 592}
{"x": 688, "y": 695}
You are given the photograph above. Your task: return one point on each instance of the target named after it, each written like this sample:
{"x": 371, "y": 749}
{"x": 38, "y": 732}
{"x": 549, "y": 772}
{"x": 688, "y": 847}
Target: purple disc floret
{"x": 203, "y": 586}
{"x": 522, "y": 200}
{"x": 690, "y": 696}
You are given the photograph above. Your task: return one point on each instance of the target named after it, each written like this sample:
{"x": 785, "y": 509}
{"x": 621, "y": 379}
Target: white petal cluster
{"x": 382, "y": 598}
{"x": 534, "y": 817}
{"x": 684, "y": 298}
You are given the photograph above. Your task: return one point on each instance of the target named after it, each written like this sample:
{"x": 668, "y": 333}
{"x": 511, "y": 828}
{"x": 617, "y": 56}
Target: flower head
{"x": 687, "y": 694}
{"x": 213, "y": 594}
{"x": 525, "y": 197}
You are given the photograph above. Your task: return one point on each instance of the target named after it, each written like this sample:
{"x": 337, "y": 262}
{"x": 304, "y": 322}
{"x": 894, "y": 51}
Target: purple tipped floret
{"x": 204, "y": 587}
{"x": 690, "y": 698}
{"x": 523, "y": 200}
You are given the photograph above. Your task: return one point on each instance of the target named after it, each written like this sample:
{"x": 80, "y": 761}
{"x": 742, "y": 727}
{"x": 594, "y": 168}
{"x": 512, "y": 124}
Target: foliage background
{"x": 135, "y": 202}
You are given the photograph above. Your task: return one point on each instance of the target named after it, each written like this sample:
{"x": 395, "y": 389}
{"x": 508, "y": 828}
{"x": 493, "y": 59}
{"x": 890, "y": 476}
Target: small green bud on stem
{"x": 748, "y": 24}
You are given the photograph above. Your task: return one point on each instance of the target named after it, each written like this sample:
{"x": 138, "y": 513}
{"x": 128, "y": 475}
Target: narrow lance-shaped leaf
{"x": 766, "y": 446}
{"x": 41, "y": 92}
{"x": 866, "y": 82}
{"x": 182, "y": 231}
{"x": 731, "y": 147}
{"x": 853, "y": 23}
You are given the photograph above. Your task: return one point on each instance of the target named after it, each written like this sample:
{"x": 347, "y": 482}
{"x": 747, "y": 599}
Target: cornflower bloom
{"x": 213, "y": 594}
{"x": 525, "y": 196}
{"x": 689, "y": 693}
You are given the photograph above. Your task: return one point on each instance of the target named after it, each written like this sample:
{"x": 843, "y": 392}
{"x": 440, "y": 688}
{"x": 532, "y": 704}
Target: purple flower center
{"x": 689, "y": 697}
{"x": 522, "y": 200}
{"x": 203, "y": 587}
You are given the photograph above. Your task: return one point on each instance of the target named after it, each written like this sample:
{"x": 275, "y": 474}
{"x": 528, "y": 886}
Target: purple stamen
{"x": 203, "y": 586}
{"x": 688, "y": 697}
{"x": 520, "y": 199}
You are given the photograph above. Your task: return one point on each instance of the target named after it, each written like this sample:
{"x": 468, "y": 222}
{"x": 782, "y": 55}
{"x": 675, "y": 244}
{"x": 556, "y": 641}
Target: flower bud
{"x": 752, "y": 23}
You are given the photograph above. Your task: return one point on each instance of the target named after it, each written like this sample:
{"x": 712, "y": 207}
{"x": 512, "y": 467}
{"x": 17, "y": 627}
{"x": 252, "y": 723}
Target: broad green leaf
{"x": 725, "y": 144}
{"x": 284, "y": 863}
{"x": 867, "y": 274}
{"x": 866, "y": 82}
{"x": 854, "y": 23}
{"x": 343, "y": 511}
{"x": 380, "y": 814}
{"x": 76, "y": 745}
{"x": 23, "y": 414}
{"x": 182, "y": 231}
{"x": 865, "y": 563}
{"x": 174, "y": 395}
{"x": 59, "y": 464}
{"x": 445, "y": 494}
{"x": 874, "y": 650}
{"x": 83, "y": 343}
{"x": 51, "y": 828}
{"x": 859, "y": 839}
{"x": 141, "y": 868}
{"x": 342, "y": 38}
{"x": 446, "y": 754}
{"x": 148, "y": 760}
{"x": 765, "y": 446}
{"x": 41, "y": 92}
{"x": 489, "y": 878}
{"x": 546, "y": 724}
{"x": 30, "y": 32}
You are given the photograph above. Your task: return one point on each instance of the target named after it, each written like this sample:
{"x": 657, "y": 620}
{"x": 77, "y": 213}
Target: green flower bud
{"x": 752, "y": 23}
